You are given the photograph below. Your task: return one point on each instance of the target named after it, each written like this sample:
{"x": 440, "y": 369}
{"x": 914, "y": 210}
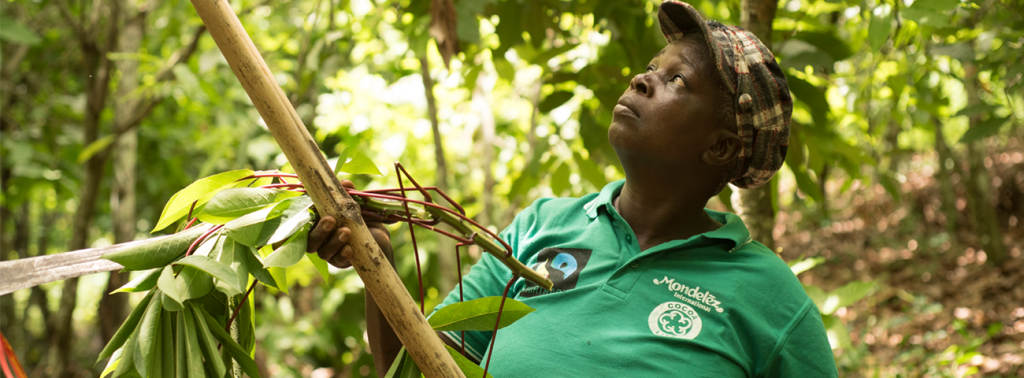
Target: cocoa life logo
{"x": 692, "y": 295}
{"x": 675, "y": 319}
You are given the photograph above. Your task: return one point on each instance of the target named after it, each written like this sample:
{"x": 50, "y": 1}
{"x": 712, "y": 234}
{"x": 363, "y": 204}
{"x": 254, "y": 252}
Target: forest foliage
{"x": 904, "y": 179}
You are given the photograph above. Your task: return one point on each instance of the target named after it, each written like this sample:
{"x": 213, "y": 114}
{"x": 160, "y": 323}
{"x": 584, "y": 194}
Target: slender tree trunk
{"x": 114, "y": 307}
{"x": 756, "y": 204}
{"x": 482, "y": 104}
{"x": 97, "y": 70}
{"x": 979, "y": 190}
{"x": 946, "y": 191}
{"x": 445, "y": 247}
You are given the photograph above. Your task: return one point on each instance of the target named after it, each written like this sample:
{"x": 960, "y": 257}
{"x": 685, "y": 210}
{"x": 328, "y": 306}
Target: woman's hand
{"x": 332, "y": 243}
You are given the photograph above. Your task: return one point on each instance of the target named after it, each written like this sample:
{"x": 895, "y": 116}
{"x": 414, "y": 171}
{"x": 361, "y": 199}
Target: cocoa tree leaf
{"x": 403, "y": 366}
{"x": 469, "y": 368}
{"x": 142, "y": 282}
{"x": 294, "y": 213}
{"x": 181, "y": 346}
{"x": 983, "y": 129}
{"x": 554, "y": 100}
{"x": 233, "y": 255}
{"x": 232, "y": 348}
{"x": 112, "y": 365}
{"x": 290, "y": 252}
{"x": 200, "y": 192}
{"x": 127, "y": 364}
{"x": 156, "y": 253}
{"x": 169, "y": 289}
{"x": 193, "y": 352}
{"x": 360, "y": 164}
{"x": 235, "y": 202}
{"x": 320, "y": 265}
{"x": 193, "y": 283}
{"x": 149, "y": 331}
{"x": 126, "y": 329}
{"x": 260, "y": 273}
{"x": 478, "y": 315}
{"x": 560, "y": 179}
{"x": 221, "y": 271}
{"x": 164, "y": 362}
{"x": 207, "y": 343}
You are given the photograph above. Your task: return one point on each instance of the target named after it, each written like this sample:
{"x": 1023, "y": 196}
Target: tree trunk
{"x": 946, "y": 191}
{"x": 979, "y": 190}
{"x": 482, "y": 104}
{"x": 756, "y": 204}
{"x": 97, "y": 68}
{"x": 445, "y": 246}
{"x": 114, "y": 307}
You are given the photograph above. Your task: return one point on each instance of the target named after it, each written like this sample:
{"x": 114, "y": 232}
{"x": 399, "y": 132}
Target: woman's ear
{"x": 724, "y": 148}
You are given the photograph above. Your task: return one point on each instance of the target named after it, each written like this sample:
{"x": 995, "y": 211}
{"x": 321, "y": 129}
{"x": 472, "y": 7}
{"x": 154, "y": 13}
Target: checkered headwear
{"x": 756, "y": 84}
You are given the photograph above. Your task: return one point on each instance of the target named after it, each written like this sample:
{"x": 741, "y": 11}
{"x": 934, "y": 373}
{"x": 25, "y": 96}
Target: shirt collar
{"x": 733, "y": 230}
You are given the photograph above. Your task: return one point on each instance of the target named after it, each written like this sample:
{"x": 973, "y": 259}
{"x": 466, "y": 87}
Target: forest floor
{"x": 939, "y": 309}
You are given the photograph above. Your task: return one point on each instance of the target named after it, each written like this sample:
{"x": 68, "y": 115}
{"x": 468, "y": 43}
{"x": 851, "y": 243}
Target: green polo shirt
{"x": 715, "y": 305}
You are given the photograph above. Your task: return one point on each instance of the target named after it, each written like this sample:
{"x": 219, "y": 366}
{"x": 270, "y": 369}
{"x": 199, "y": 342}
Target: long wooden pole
{"x": 323, "y": 187}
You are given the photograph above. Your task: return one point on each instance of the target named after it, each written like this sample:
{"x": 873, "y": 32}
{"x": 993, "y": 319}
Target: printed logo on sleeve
{"x": 675, "y": 319}
{"x": 703, "y": 300}
{"x": 561, "y": 265}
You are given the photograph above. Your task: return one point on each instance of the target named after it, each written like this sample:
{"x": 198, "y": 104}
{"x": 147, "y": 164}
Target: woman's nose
{"x": 640, "y": 84}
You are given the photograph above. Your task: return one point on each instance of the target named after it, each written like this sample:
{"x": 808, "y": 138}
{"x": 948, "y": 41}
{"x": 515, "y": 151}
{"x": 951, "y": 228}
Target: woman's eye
{"x": 650, "y": 69}
{"x": 678, "y": 79}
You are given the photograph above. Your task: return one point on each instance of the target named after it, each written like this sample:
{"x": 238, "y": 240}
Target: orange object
{"x": 8, "y": 354}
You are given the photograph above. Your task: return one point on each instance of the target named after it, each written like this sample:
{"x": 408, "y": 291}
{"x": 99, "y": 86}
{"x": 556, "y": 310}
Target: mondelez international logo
{"x": 703, "y": 300}
{"x": 675, "y": 319}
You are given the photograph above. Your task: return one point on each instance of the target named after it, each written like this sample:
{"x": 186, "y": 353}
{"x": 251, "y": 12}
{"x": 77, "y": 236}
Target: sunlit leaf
{"x": 94, "y": 147}
{"x": 194, "y": 353}
{"x": 193, "y": 283}
{"x": 983, "y": 129}
{"x": 289, "y": 253}
{"x": 403, "y": 366}
{"x": 235, "y": 350}
{"x": 217, "y": 269}
{"x": 149, "y": 332}
{"x": 206, "y": 342}
{"x": 169, "y": 295}
{"x": 478, "y": 314}
{"x": 846, "y": 295}
{"x": 235, "y": 202}
{"x": 126, "y": 329}
{"x": 321, "y": 266}
{"x": 294, "y": 214}
{"x": 469, "y": 368}
{"x": 806, "y": 264}
{"x": 554, "y": 100}
{"x": 157, "y": 252}
{"x": 560, "y": 179}
{"x": 233, "y": 255}
{"x": 140, "y": 283}
{"x": 878, "y": 30}
{"x": 362, "y": 165}
{"x": 199, "y": 192}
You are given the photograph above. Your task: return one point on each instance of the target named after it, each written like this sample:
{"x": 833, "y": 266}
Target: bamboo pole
{"x": 323, "y": 187}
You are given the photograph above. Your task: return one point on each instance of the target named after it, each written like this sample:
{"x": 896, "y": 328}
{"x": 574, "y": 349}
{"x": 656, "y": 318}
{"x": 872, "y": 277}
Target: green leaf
{"x": 878, "y": 30}
{"x": 478, "y": 315}
{"x": 126, "y": 329}
{"x": 207, "y": 342}
{"x": 94, "y": 147}
{"x": 554, "y": 100}
{"x": 807, "y": 185}
{"x": 156, "y": 252}
{"x": 194, "y": 353}
{"x": 560, "y": 179}
{"x": 320, "y": 265}
{"x": 277, "y": 274}
{"x": 340, "y": 161}
{"x": 181, "y": 346}
{"x": 149, "y": 331}
{"x": 233, "y": 255}
{"x": 169, "y": 287}
{"x": 835, "y": 47}
{"x": 403, "y": 366}
{"x": 253, "y": 229}
{"x": 816, "y": 294}
{"x": 115, "y": 360}
{"x": 543, "y": 58}
{"x": 142, "y": 282}
{"x": 235, "y": 202}
{"x": 165, "y": 366}
{"x": 294, "y": 214}
{"x": 838, "y": 335}
{"x": 221, "y": 271}
{"x": 14, "y": 32}
{"x": 267, "y": 276}
{"x": 199, "y": 192}
{"x": 193, "y": 283}
{"x": 469, "y": 368}
{"x": 805, "y": 264}
{"x": 127, "y": 364}
{"x": 235, "y": 350}
{"x": 361, "y": 165}
{"x": 813, "y": 96}
{"x": 983, "y": 129}
{"x": 846, "y": 295}
{"x": 891, "y": 185}
{"x": 981, "y": 108}
{"x": 290, "y": 253}
{"x": 589, "y": 171}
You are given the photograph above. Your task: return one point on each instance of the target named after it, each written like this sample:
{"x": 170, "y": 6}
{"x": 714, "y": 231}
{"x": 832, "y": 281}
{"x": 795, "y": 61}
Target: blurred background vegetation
{"x": 903, "y": 190}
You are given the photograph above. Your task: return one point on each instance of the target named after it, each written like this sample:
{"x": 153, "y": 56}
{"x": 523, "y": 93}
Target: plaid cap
{"x": 755, "y": 81}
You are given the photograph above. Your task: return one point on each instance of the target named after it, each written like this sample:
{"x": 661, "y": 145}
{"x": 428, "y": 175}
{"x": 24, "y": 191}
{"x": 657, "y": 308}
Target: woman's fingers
{"x": 323, "y": 230}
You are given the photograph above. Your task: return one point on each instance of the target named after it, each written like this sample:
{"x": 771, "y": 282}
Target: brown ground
{"x": 941, "y": 309}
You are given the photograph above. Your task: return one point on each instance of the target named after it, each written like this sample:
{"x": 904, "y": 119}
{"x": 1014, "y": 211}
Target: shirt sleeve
{"x": 804, "y": 351}
{"x": 487, "y": 278}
